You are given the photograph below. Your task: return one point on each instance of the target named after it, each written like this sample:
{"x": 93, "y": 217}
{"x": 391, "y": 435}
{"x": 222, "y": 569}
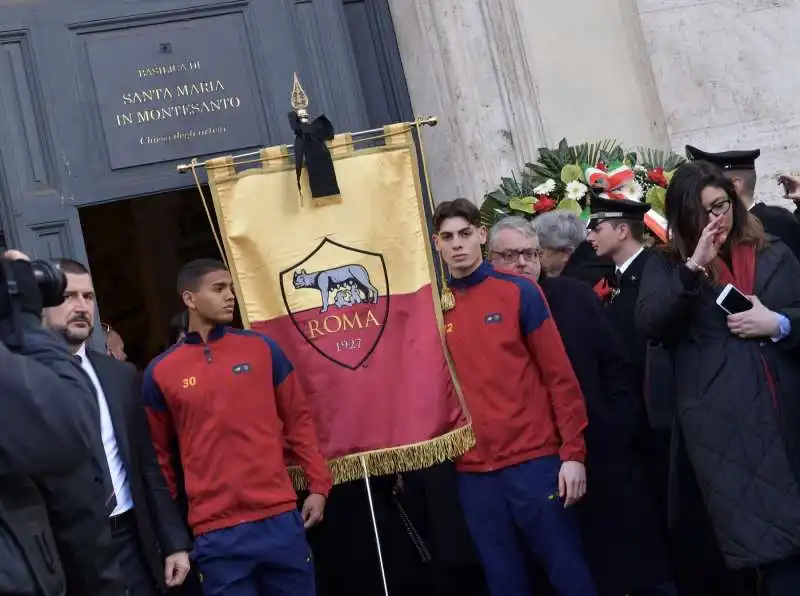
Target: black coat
{"x": 585, "y": 265}
{"x": 696, "y": 560}
{"x": 45, "y": 428}
{"x": 622, "y": 534}
{"x": 621, "y": 309}
{"x": 742, "y": 446}
{"x": 159, "y": 522}
{"x": 697, "y": 563}
{"x": 781, "y": 223}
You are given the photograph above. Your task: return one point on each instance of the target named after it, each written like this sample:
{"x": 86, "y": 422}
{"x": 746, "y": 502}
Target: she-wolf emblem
{"x": 350, "y": 282}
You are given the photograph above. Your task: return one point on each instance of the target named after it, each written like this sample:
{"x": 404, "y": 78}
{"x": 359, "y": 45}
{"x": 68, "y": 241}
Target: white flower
{"x": 633, "y": 191}
{"x": 576, "y": 190}
{"x": 545, "y": 188}
{"x": 638, "y": 168}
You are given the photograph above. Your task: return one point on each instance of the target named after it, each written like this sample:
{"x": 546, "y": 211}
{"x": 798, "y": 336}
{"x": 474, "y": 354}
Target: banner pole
{"x": 375, "y": 526}
{"x": 186, "y": 167}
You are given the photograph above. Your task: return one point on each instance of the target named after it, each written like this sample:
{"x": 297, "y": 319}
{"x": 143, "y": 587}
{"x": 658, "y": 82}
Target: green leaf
{"x": 674, "y": 161}
{"x": 615, "y": 154}
{"x": 570, "y": 205}
{"x": 658, "y": 158}
{"x": 508, "y": 184}
{"x": 499, "y": 196}
{"x": 492, "y": 211}
{"x": 571, "y": 172}
{"x": 656, "y": 196}
{"x": 524, "y": 204}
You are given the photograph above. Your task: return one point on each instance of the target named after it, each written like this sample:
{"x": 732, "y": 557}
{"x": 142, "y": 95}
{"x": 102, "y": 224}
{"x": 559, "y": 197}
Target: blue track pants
{"x": 518, "y": 507}
{"x": 269, "y": 557}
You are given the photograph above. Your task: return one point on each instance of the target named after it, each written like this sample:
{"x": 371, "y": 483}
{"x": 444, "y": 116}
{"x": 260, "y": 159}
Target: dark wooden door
{"x": 37, "y": 215}
{"x": 85, "y": 118}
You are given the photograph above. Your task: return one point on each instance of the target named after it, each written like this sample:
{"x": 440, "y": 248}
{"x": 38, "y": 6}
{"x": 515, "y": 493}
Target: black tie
{"x": 102, "y": 463}
{"x": 617, "y": 278}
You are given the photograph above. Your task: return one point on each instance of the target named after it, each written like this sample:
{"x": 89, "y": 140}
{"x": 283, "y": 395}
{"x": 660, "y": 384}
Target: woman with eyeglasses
{"x": 738, "y": 375}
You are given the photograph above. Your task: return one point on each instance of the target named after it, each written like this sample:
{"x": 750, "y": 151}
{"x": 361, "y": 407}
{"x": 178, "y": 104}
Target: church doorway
{"x": 135, "y": 249}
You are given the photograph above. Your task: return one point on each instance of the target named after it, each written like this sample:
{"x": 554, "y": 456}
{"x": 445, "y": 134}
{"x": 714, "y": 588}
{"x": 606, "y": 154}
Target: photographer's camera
{"x": 26, "y": 287}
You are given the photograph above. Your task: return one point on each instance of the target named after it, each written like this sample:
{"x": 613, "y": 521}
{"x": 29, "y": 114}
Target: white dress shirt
{"x": 621, "y": 269}
{"x": 119, "y": 477}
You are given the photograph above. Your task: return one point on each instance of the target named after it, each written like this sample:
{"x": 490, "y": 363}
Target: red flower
{"x": 602, "y": 289}
{"x": 544, "y": 203}
{"x": 657, "y": 176}
{"x": 602, "y": 166}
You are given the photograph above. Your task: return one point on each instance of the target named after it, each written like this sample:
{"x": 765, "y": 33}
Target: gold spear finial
{"x": 299, "y": 100}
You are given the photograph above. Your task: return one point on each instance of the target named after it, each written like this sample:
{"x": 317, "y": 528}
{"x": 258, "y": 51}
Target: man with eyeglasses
{"x": 619, "y": 520}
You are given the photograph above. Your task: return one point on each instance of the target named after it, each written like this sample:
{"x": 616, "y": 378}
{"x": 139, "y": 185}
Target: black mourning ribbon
{"x": 311, "y": 151}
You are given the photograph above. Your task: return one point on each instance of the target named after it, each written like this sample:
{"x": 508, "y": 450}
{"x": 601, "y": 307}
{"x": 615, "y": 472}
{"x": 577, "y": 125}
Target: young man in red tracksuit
{"x": 230, "y": 398}
{"x": 527, "y": 411}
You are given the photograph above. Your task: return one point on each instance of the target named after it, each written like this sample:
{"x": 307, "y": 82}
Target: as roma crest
{"x": 338, "y": 299}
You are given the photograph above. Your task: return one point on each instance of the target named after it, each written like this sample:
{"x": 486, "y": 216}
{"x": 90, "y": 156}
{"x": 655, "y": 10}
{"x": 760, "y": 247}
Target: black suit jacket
{"x": 781, "y": 223}
{"x": 162, "y": 530}
{"x": 585, "y": 265}
{"x": 621, "y": 308}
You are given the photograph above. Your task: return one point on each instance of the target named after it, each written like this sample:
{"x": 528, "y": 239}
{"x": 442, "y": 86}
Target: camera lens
{"x": 52, "y": 282}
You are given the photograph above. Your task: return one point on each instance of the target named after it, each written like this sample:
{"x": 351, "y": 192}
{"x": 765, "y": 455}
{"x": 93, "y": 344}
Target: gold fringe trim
{"x": 448, "y": 299}
{"x": 405, "y": 458}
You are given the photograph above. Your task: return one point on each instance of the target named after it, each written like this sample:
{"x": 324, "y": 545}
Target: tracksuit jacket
{"x": 230, "y": 403}
{"x": 517, "y": 380}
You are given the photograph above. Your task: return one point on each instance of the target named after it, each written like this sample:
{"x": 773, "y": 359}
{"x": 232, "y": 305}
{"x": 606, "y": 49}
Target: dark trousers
{"x": 135, "y": 571}
{"x": 269, "y": 557}
{"x": 515, "y": 507}
{"x": 665, "y": 589}
{"x": 782, "y": 578}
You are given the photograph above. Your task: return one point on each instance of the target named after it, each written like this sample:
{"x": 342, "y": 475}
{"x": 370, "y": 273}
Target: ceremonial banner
{"x": 348, "y": 290}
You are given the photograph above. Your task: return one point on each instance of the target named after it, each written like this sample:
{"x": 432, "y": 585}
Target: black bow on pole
{"x": 311, "y": 151}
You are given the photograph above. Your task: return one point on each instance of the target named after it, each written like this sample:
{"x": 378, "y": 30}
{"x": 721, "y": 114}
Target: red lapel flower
{"x": 603, "y": 289}
{"x": 544, "y": 203}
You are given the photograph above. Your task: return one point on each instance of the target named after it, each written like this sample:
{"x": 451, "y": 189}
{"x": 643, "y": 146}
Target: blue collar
{"x": 193, "y": 337}
{"x": 483, "y": 271}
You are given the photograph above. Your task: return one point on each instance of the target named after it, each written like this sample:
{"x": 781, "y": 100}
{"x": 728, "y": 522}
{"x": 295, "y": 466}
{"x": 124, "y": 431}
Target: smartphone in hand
{"x": 732, "y": 301}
